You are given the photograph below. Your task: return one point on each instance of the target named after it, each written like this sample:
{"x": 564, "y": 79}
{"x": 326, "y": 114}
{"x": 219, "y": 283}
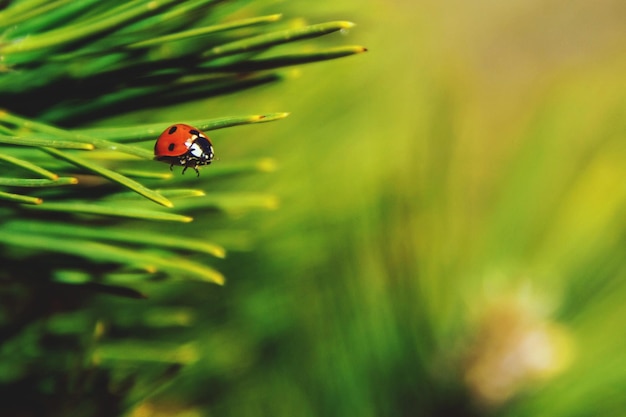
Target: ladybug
{"x": 184, "y": 145}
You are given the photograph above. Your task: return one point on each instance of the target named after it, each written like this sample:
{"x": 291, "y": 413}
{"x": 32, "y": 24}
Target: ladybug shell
{"x": 176, "y": 140}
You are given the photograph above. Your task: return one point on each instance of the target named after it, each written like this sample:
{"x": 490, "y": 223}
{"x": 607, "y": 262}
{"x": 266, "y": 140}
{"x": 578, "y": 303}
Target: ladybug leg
{"x": 197, "y": 172}
{"x": 184, "y": 169}
{"x": 171, "y": 167}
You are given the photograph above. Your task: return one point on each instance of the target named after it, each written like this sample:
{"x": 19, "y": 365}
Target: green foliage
{"x": 451, "y": 234}
{"x": 85, "y": 210}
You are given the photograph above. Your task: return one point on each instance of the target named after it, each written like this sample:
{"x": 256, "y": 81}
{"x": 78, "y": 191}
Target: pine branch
{"x": 86, "y": 210}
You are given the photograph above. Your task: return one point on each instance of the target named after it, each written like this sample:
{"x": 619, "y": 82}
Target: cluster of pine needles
{"x": 74, "y": 199}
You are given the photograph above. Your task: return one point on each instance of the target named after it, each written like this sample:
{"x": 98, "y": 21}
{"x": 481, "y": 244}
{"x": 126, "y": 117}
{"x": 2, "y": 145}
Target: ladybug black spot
{"x": 194, "y": 132}
{"x": 172, "y": 130}
{"x": 170, "y": 147}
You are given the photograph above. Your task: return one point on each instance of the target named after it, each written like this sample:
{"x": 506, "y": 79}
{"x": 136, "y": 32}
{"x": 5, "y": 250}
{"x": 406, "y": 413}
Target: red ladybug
{"x": 184, "y": 145}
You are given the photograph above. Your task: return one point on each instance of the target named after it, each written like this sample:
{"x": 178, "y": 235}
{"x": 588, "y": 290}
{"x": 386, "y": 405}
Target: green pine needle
{"x": 19, "y": 198}
{"x": 204, "y": 31}
{"x": 151, "y": 131}
{"x": 47, "y": 142}
{"x": 268, "y": 40}
{"x": 288, "y": 59}
{"x": 29, "y": 166}
{"x": 112, "y": 210}
{"x": 27, "y": 182}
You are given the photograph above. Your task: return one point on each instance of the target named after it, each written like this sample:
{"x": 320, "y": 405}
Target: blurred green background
{"x": 450, "y": 237}
{"x": 450, "y": 234}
